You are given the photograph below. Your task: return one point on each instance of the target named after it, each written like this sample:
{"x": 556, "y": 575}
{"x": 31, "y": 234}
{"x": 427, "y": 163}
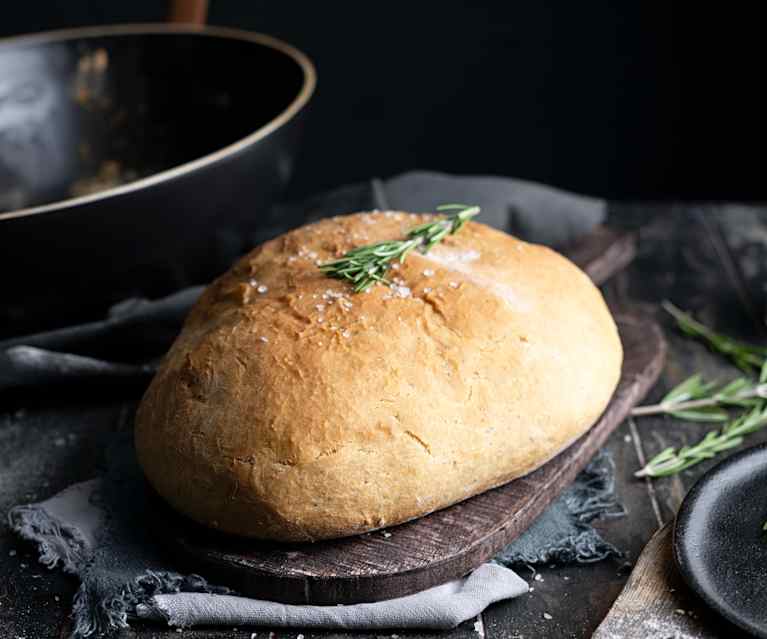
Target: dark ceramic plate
{"x": 719, "y": 545}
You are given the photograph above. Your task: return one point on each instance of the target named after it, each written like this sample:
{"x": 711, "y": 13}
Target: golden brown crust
{"x": 291, "y": 409}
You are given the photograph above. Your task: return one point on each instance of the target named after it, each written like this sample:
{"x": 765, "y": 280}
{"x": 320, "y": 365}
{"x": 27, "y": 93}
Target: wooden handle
{"x": 656, "y": 602}
{"x": 188, "y": 11}
{"x": 603, "y": 252}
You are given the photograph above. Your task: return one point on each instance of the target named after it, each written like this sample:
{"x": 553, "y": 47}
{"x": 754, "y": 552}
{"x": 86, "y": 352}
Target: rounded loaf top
{"x": 290, "y": 408}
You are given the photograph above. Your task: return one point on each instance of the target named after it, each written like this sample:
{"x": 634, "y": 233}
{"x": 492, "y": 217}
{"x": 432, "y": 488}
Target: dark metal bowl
{"x": 135, "y": 159}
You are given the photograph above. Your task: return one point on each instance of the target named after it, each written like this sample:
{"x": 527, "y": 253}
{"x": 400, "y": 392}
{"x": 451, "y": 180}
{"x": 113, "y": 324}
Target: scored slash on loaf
{"x": 303, "y": 411}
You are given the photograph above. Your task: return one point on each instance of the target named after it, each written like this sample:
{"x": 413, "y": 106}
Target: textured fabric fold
{"x": 437, "y": 608}
{"x": 563, "y": 535}
{"x": 81, "y": 529}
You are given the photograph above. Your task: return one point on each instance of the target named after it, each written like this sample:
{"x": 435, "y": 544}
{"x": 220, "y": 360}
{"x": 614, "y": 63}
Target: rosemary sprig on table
{"x": 364, "y": 266}
{"x": 699, "y": 400}
{"x": 671, "y": 461}
{"x": 745, "y": 356}
{"x": 702, "y": 401}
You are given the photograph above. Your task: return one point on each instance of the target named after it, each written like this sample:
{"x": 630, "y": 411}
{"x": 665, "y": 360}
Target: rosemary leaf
{"x": 747, "y": 357}
{"x": 705, "y": 414}
{"x": 691, "y": 388}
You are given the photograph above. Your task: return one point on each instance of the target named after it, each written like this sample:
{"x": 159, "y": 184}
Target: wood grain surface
{"x": 657, "y": 603}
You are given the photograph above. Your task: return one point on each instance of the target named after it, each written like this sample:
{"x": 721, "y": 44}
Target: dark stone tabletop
{"x": 710, "y": 259}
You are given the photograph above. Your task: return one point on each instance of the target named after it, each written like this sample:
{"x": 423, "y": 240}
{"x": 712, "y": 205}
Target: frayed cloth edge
{"x": 56, "y": 541}
{"x": 61, "y": 544}
{"x": 112, "y": 614}
{"x": 593, "y": 499}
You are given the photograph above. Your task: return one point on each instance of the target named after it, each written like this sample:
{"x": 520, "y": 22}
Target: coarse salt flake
{"x": 264, "y": 338}
{"x": 428, "y": 272}
{"x": 262, "y": 289}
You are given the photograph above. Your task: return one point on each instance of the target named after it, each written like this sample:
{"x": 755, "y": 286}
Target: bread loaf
{"x": 291, "y": 409}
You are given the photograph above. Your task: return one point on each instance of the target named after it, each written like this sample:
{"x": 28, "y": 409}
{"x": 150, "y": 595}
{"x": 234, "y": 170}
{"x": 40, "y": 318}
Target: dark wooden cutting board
{"x": 441, "y": 546}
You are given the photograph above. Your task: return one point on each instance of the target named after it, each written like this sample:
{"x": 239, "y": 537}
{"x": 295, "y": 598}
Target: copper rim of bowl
{"x": 297, "y": 104}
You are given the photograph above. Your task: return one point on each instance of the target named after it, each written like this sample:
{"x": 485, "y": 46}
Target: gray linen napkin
{"x": 437, "y": 608}
{"x": 100, "y": 531}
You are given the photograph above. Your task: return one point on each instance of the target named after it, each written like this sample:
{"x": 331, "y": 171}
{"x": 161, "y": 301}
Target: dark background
{"x": 629, "y": 100}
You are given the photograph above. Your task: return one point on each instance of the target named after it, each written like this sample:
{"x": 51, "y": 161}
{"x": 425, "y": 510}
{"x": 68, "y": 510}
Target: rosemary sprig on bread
{"x": 367, "y": 265}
